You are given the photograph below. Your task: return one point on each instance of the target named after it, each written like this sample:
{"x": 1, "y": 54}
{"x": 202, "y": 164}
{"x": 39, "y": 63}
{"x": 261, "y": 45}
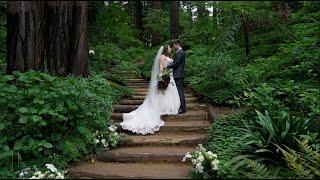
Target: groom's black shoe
{"x": 181, "y": 111}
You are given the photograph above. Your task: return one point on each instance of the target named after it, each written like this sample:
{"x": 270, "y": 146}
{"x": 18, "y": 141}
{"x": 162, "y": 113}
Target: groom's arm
{"x": 176, "y": 62}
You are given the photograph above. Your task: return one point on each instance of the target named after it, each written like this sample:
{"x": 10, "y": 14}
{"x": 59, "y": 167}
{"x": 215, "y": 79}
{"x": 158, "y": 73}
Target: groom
{"x": 178, "y": 73}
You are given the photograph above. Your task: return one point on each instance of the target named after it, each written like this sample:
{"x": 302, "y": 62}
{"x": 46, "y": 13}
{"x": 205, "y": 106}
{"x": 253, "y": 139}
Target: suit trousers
{"x": 179, "y": 84}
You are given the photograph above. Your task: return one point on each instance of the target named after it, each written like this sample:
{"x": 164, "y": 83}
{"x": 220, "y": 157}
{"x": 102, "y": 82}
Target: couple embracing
{"x": 146, "y": 119}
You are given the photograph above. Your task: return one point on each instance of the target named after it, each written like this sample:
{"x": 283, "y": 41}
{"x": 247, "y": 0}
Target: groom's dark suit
{"x": 179, "y": 75}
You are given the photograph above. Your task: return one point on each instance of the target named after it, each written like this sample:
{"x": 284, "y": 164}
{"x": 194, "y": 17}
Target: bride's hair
{"x": 165, "y": 50}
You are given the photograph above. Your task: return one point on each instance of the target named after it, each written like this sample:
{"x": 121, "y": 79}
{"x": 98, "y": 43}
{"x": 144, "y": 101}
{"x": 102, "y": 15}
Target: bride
{"x": 146, "y": 119}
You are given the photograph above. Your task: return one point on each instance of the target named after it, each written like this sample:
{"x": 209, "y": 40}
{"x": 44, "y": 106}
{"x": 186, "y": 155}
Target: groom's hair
{"x": 177, "y": 41}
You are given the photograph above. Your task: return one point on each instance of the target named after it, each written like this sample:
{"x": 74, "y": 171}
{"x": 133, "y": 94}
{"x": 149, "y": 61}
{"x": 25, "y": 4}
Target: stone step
{"x": 102, "y": 170}
{"x": 145, "y": 154}
{"x": 137, "y": 83}
{"x": 145, "y": 93}
{"x": 191, "y": 126}
{"x": 140, "y": 101}
{"x": 186, "y": 139}
{"x": 128, "y": 108}
{"x": 190, "y": 115}
{"x": 137, "y": 80}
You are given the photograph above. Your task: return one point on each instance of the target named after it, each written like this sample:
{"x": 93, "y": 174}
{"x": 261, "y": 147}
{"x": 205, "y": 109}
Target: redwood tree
{"x": 61, "y": 33}
{"x": 66, "y": 45}
{"x": 155, "y": 34}
{"x": 174, "y": 19}
{"x": 25, "y": 35}
{"x": 138, "y": 19}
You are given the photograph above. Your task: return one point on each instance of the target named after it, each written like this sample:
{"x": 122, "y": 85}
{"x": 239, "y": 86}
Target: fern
{"x": 258, "y": 169}
{"x": 261, "y": 169}
{"x": 306, "y": 163}
{"x": 225, "y": 38}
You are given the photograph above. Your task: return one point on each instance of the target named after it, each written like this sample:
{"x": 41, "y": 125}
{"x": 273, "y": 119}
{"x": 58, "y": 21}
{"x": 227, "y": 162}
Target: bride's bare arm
{"x": 161, "y": 63}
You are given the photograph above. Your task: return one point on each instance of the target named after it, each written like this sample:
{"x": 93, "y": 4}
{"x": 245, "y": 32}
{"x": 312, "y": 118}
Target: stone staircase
{"x": 155, "y": 156}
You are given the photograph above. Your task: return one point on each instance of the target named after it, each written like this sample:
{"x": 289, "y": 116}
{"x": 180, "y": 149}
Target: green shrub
{"x": 261, "y": 135}
{"x": 45, "y": 115}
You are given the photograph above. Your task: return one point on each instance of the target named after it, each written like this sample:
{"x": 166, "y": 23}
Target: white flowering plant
{"x": 51, "y": 173}
{"x": 108, "y": 139}
{"x": 205, "y": 163}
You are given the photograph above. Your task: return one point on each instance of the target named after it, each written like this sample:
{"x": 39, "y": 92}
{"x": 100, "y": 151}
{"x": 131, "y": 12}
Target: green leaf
{"x": 36, "y": 118}
{"x": 18, "y": 145}
{"x": 82, "y": 129}
{"x": 59, "y": 108}
{"x": 23, "y": 119}
{"x": 23, "y": 109}
{"x": 43, "y": 123}
{"x": 40, "y": 149}
{"x": 52, "y": 112}
{"x": 6, "y": 148}
{"x": 47, "y": 145}
{"x": 43, "y": 111}
{"x": 2, "y": 125}
{"x": 11, "y": 88}
{"x": 9, "y": 77}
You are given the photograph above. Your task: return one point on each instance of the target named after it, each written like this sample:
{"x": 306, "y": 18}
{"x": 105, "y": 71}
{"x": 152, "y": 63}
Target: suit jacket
{"x": 178, "y": 65}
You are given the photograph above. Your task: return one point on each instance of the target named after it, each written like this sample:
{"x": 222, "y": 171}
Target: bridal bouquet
{"x": 164, "y": 80}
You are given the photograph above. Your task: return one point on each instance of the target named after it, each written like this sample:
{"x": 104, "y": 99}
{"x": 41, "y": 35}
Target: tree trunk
{"x": 66, "y": 45}
{"x": 201, "y": 9}
{"x": 174, "y": 19}
{"x": 25, "y": 35}
{"x": 190, "y": 13}
{"x": 155, "y": 34}
{"x": 245, "y": 25}
{"x": 59, "y": 19}
{"x": 78, "y": 64}
{"x": 138, "y": 19}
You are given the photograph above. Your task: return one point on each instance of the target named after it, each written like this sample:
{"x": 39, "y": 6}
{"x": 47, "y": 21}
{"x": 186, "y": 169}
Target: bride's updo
{"x": 166, "y": 50}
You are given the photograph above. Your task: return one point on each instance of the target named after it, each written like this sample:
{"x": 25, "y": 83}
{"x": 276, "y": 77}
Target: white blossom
{"x": 41, "y": 176}
{"x": 194, "y": 161}
{"x": 200, "y": 158}
{"x": 91, "y": 51}
{"x": 112, "y": 128}
{"x": 51, "y": 167}
{"x": 97, "y": 141}
{"x": 199, "y": 168}
{"x": 188, "y": 155}
{"x": 215, "y": 164}
{"x": 200, "y": 147}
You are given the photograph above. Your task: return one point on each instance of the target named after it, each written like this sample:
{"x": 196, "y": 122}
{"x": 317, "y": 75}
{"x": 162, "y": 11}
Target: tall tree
{"x": 155, "y": 34}
{"x": 201, "y": 9}
{"x": 138, "y": 18}
{"x": 174, "y": 19}
{"x": 66, "y": 42}
{"x": 65, "y": 27}
{"x": 25, "y": 35}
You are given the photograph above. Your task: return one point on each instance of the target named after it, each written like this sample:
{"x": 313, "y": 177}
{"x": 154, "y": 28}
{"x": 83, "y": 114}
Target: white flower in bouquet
{"x": 199, "y": 168}
{"x": 51, "y": 167}
{"x": 21, "y": 174}
{"x": 201, "y": 148}
{"x": 41, "y": 176}
{"x": 103, "y": 141}
{"x": 113, "y": 128}
{"x": 97, "y": 141}
{"x": 200, "y": 158}
{"x": 215, "y": 164}
{"x": 194, "y": 161}
{"x": 188, "y": 155}
{"x": 91, "y": 51}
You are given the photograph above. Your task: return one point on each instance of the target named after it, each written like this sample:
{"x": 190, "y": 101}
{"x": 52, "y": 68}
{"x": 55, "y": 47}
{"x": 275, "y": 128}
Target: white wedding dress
{"x": 146, "y": 119}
